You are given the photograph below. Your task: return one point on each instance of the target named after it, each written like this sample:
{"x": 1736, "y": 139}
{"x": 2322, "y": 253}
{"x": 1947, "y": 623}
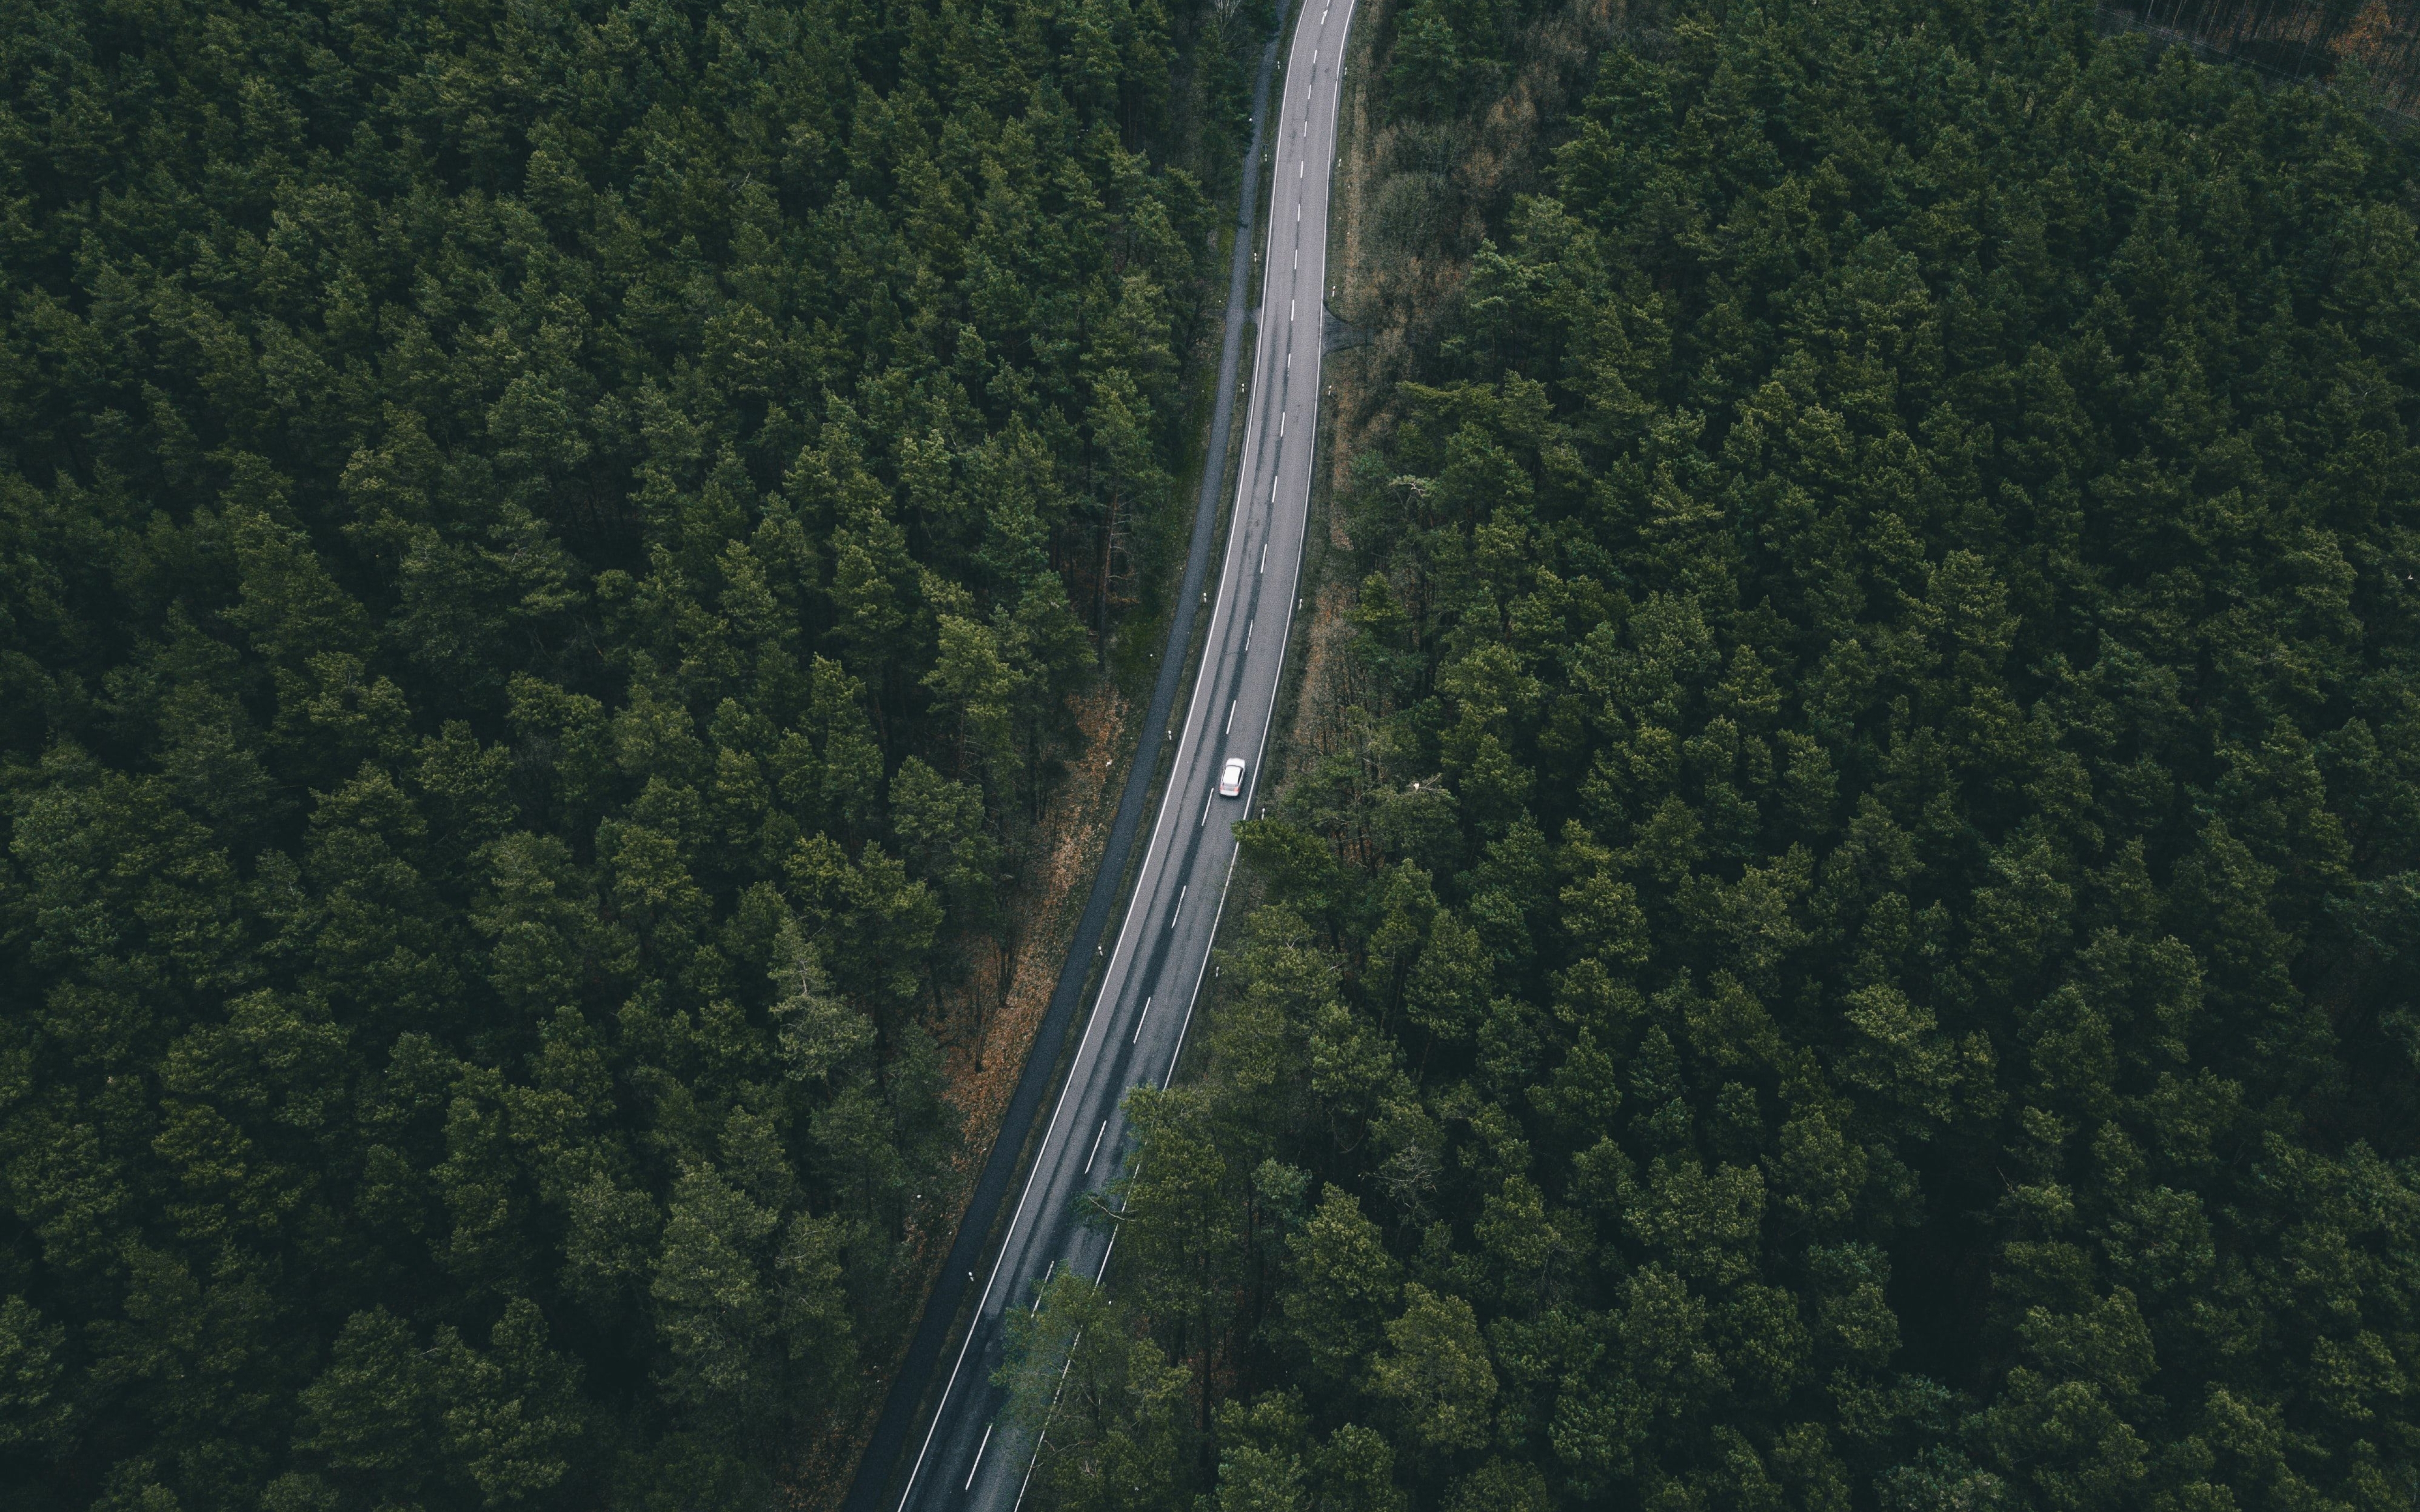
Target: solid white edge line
{"x": 1056, "y": 1393}
{"x": 1178, "y": 1053}
{"x": 979, "y": 1454}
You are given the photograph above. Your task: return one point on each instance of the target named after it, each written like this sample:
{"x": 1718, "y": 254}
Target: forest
{"x": 543, "y": 547}
{"x": 1849, "y": 943}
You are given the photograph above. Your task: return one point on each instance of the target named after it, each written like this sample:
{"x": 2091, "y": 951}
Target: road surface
{"x": 967, "y": 1457}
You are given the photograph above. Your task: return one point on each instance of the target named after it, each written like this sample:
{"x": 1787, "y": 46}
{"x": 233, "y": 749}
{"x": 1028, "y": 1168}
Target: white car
{"x": 1230, "y": 781}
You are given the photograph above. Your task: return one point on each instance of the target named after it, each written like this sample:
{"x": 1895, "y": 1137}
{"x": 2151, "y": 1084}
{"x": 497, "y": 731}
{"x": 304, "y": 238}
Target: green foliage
{"x": 1437, "y": 1373}
{"x": 542, "y": 554}
{"x": 1445, "y": 54}
{"x": 1860, "y": 957}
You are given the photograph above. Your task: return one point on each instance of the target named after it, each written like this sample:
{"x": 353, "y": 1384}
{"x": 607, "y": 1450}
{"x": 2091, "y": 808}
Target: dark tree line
{"x": 542, "y": 547}
{"x": 1859, "y": 954}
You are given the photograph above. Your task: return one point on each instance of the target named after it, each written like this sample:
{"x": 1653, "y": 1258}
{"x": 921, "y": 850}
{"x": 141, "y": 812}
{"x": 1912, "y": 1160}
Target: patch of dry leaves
{"x": 988, "y": 1030}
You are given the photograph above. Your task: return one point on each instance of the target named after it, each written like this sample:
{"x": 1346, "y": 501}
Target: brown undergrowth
{"x": 991, "y": 1019}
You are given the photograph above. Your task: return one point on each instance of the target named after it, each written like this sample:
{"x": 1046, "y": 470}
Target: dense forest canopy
{"x": 541, "y": 550}
{"x": 1851, "y": 942}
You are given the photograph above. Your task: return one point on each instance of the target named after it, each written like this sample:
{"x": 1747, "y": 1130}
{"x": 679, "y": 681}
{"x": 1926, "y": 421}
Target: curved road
{"x": 966, "y": 1459}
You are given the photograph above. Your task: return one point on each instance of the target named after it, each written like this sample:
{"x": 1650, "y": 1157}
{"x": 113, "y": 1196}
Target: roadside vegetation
{"x": 1847, "y": 941}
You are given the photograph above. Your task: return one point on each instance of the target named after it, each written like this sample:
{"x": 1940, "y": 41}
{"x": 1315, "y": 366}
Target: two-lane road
{"x": 968, "y": 1459}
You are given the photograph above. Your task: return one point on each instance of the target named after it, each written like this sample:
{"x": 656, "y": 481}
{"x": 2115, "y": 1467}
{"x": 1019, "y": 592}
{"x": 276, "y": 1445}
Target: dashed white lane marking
{"x": 1146, "y": 1002}
{"x": 1096, "y": 1146}
{"x": 1179, "y": 910}
{"x": 1230, "y": 726}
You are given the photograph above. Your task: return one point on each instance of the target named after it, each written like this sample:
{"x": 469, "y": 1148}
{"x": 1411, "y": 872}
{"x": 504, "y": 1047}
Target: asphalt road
{"x": 967, "y": 1457}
